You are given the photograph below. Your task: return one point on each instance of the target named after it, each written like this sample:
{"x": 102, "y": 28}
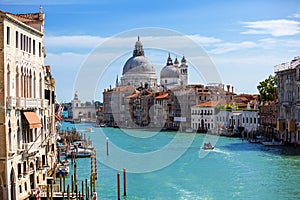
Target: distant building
{"x": 82, "y": 111}
{"x": 137, "y": 101}
{"x": 116, "y": 106}
{"x": 173, "y": 75}
{"x": 27, "y": 98}
{"x": 288, "y": 105}
{"x": 268, "y": 119}
{"x": 219, "y": 116}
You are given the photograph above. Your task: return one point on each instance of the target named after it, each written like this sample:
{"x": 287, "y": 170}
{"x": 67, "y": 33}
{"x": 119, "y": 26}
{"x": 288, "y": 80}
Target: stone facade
{"x": 288, "y": 105}
{"x": 27, "y": 98}
{"x": 82, "y": 111}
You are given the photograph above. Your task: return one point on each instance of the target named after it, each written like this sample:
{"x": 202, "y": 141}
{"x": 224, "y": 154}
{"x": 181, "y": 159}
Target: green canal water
{"x": 235, "y": 169}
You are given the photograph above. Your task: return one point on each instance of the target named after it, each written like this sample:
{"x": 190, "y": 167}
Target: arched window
{"x": 22, "y": 82}
{"x": 19, "y": 170}
{"x": 34, "y": 85}
{"x": 8, "y": 81}
{"x": 17, "y": 83}
{"x": 30, "y": 85}
{"x": 24, "y": 167}
{"x": 9, "y": 136}
{"x": 41, "y": 86}
{"x": 19, "y": 135}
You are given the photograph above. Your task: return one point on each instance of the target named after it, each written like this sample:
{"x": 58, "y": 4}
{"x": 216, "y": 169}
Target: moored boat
{"x": 273, "y": 143}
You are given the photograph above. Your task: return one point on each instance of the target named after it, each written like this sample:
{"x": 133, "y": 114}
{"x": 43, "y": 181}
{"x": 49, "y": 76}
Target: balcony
{"x": 31, "y": 103}
{"x": 23, "y": 103}
{"x": 31, "y": 147}
{"x": 45, "y": 103}
{"x": 20, "y": 102}
{"x": 11, "y": 102}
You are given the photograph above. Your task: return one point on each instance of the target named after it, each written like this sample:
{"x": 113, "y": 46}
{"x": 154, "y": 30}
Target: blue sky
{"x": 243, "y": 39}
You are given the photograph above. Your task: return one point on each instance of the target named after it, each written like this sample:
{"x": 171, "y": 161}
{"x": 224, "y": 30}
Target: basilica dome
{"x": 138, "y": 69}
{"x": 139, "y": 65}
{"x": 169, "y": 71}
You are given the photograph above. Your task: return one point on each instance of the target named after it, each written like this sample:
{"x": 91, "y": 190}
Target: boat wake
{"x": 203, "y": 152}
{"x": 217, "y": 150}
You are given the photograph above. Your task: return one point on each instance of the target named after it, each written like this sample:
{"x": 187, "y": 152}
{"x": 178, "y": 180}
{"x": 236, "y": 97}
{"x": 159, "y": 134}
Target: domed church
{"x": 138, "y": 69}
{"x": 173, "y": 75}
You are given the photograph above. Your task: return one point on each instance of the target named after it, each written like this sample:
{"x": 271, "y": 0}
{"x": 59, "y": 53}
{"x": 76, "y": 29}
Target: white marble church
{"x": 139, "y": 71}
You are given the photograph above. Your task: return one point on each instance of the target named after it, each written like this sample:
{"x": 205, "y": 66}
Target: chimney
{"x": 228, "y": 88}
{"x": 232, "y": 89}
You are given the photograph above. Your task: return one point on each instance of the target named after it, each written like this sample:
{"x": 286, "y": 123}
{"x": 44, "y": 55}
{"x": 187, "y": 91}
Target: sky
{"x": 241, "y": 40}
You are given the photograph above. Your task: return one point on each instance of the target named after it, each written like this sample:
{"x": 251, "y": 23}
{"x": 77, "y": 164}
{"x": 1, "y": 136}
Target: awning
{"x": 33, "y": 120}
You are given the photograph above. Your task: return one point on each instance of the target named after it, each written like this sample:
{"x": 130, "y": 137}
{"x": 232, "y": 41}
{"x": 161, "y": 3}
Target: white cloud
{"x": 295, "y": 15}
{"x": 74, "y": 41}
{"x": 230, "y": 46}
{"x": 281, "y": 27}
{"x": 204, "y": 40}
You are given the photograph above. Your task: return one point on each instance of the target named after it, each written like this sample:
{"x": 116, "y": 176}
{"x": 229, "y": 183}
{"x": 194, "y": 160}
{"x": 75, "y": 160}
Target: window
{"x": 40, "y": 49}
{"x": 17, "y": 39}
{"x": 33, "y": 47}
{"x": 29, "y": 45}
{"x": 21, "y": 37}
{"x": 8, "y": 35}
{"x": 24, "y": 42}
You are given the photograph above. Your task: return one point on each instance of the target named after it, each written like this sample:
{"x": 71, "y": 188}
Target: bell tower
{"x": 184, "y": 71}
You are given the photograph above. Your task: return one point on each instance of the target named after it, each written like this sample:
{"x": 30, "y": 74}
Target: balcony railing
{"x": 22, "y": 103}
{"x": 11, "y": 102}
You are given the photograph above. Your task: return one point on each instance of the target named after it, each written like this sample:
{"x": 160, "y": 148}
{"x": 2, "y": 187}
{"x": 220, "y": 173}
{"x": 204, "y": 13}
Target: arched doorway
{"x": 12, "y": 185}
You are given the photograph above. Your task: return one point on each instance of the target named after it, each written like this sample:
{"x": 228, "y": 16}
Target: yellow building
{"x": 27, "y": 97}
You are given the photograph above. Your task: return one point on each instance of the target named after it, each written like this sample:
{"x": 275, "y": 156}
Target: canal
{"x": 235, "y": 169}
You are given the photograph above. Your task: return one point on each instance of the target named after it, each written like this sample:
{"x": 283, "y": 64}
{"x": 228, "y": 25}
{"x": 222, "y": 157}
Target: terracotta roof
{"x": 211, "y": 103}
{"x": 163, "y": 96}
{"x": 135, "y": 95}
{"x": 34, "y": 20}
{"x": 25, "y": 18}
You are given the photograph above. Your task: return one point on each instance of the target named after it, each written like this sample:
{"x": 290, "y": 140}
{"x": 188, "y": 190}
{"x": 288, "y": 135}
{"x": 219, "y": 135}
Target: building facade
{"x": 219, "y": 116}
{"x": 288, "y": 105}
{"x": 82, "y": 111}
{"x": 27, "y": 98}
{"x": 268, "y": 119}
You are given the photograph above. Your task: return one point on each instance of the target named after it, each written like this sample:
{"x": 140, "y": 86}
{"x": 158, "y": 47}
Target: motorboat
{"x": 189, "y": 130}
{"x": 208, "y": 146}
{"x": 62, "y": 169}
{"x": 79, "y": 153}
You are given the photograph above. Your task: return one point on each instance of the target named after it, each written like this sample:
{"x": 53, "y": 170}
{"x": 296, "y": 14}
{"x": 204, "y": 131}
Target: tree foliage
{"x": 267, "y": 89}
